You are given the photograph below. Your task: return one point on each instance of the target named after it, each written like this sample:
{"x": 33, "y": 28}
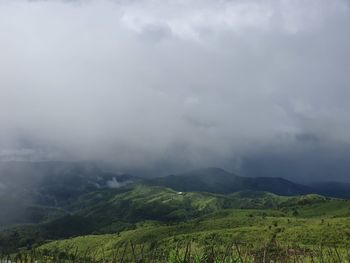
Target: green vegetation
{"x": 103, "y": 223}
{"x": 253, "y": 227}
{"x": 185, "y": 252}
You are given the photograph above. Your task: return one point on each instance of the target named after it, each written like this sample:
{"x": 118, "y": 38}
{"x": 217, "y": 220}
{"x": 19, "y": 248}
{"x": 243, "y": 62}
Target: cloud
{"x": 187, "y": 83}
{"x": 113, "y": 183}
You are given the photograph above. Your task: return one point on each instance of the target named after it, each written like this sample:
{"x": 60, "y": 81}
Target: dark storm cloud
{"x": 186, "y": 83}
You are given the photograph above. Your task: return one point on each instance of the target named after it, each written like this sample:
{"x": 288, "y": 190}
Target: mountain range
{"x": 33, "y": 192}
{"x": 26, "y": 185}
{"x": 54, "y": 200}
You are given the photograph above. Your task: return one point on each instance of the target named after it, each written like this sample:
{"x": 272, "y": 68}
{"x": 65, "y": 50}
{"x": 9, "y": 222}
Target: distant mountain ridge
{"x": 331, "y": 188}
{"x": 49, "y": 183}
{"x": 217, "y": 180}
{"x": 32, "y": 192}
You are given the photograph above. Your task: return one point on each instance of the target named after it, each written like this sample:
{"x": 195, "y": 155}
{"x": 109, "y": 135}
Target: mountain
{"x": 334, "y": 189}
{"x": 216, "y": 180}
{"x": 115, "y": 210}
{"x": 31, "y": 192}
{"x": 55, "y": 200}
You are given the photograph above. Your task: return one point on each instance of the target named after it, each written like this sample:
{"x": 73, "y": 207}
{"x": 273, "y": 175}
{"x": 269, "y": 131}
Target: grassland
{"x": 250, "y": 219}
{"x": 144, "y": 219}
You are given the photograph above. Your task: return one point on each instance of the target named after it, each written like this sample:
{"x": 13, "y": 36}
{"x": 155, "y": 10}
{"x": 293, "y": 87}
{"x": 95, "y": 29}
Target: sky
{"x": 260, "y": 88}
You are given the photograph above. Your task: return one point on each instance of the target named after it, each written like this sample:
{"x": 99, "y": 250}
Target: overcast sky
{"x": 180, "y": 83}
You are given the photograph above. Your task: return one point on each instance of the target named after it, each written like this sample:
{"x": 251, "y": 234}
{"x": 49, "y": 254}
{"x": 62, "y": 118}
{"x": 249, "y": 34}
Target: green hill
{"x": 128, "y": 209}
{"x": 253, "y": 227}
{"x": 37, "y": 192}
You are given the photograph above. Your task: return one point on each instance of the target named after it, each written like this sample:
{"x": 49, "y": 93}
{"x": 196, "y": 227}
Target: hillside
{"x": 216, "y": 180}
{"x": 117, "y": 210}
{"x": 31, "y": 191}
{"x": 253, "y": 227}
{"x": 64, "y": 200}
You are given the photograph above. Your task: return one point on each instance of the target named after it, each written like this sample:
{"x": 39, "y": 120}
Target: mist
{"x": 175, "y": 85}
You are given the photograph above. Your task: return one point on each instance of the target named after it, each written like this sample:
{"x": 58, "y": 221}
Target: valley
{"x": 165, "y": 212}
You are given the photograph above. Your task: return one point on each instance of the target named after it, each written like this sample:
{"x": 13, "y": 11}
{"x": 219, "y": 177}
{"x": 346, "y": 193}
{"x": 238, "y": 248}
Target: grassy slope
{"x": 113, "y": 210}
{"x": 247, "y": 226}
{"x": 303, "y": 220}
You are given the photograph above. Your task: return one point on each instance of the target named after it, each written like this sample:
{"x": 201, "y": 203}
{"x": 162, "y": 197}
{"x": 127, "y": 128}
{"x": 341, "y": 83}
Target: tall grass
{"x": 186, "y": 252}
